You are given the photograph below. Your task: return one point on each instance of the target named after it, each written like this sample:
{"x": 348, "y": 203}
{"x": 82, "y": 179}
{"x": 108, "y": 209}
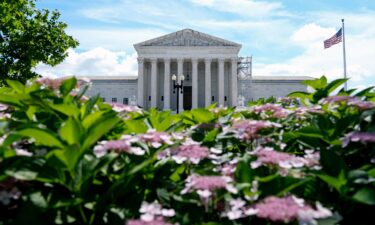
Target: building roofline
{"x": 145, "y": 43}
{"x": 300, "y": 78}
{"x": 109, "y": 77}
{"x": 256, "y": 78}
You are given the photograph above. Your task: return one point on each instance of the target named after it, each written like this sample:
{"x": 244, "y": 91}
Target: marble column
{"x": 167, "y": 85}
{"x": 207, "y": 76}
{"x": 140, "y": 89}
{"x": 221, "y": 82}
{"x": 194, "y": 84}
{"x": 180, "y": 69}
{"x": 233, "y": 82}
{"x": 154, "y": 80}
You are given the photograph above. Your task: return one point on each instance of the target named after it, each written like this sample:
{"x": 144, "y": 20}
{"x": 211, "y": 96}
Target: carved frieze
{"x": 187, "y": 37}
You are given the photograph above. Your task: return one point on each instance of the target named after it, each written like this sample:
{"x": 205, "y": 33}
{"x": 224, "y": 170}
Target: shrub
{"x": 68, "y": 159}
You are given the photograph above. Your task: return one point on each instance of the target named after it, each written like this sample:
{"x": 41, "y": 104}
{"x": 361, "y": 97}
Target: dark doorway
{"x": 187, "y": 98}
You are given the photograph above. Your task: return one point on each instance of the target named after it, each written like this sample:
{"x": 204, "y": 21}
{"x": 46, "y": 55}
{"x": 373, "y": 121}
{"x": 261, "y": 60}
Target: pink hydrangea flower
{"x": 288, "y": 209}
{"x": 268, "y": 156}
{"x": 156, "y": 139}
{"x": 336, "y": 99}
{"x": 157, "y": 221}
{"x": 3, "y": 107}
{"x": 302, "y": 112}
{"x": 249, "y": 129}
{"x": 191, "y": 153}
{"x": 350, "y": 101}
{"x": 270, "y": 111}
{"x": 118, "y": 146}
{"x": 288, "y": 101}
{"x": 6, "y": 196}
{"x": 121, "y": 108}
{"x": 279, "y": 209}
{"x": 152, "y": 214}
{"x": 204, "y": 185}
{"x": 312, "y": 159}
{"x": 363, "y": 137}
{"x": 53, "y": 84}
{"x": 362, "y": 105}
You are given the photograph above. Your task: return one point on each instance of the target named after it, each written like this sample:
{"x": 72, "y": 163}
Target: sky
{"x": 285, "y": 37}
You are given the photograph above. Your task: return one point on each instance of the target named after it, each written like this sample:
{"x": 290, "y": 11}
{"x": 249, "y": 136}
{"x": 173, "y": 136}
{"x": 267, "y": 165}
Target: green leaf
{"x": 365, "y": 91}
{"x": 141, "y": 166}
{"x": 42, "y": 136}
{"x": 299, "y": 94}
{"x": 10, "y": 100}
{"x": 68, "y": 156}
{"x": 92, "y": 118}
{"x": 334, "y": 182}
{"x": 292, "y": 186}
{"x": 135, "y": 126}
{"x": 38, "y": 200}
{"x": 101, "y": 127}
{"x": 365, "y": 195}
{"x": 31, "y": 112}
{"x": 211, "y": 136}
{"x": 243, "y": 173}
{"x": 318, "y": 83}
{"x": 68, "y": 85}
{"x": 71, "y": 131}
{"x": 202, "y": 115}
{"x": 334, "y": 85}
{"x": 66, "y": 203}
{"x": 176, "y": 175}
{"x": 16, "y": 85}
{"x": 332, "y": 163}
{"x": 68, "y": 109}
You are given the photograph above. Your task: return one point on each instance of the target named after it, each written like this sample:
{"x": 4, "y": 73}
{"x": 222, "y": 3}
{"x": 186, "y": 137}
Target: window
{"x": 114, "y": 99}
{"x": 103, "y": 99}
{"x": 125, "y": 101}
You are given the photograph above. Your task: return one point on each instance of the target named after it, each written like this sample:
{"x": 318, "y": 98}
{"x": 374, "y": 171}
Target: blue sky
{"x": 285, "y": 37}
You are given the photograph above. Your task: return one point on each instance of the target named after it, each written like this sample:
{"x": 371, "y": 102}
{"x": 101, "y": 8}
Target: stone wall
{"x": 257, "y": 88}
{"x": 124, "y": 90}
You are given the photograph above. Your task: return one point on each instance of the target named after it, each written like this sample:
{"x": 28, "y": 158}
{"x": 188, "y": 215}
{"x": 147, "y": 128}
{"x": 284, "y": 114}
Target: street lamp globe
{"x": 182, "y": 77}
{"x": 174, "y": 77}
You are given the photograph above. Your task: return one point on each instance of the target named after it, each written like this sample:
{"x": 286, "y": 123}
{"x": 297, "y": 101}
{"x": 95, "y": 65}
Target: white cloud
{"x": 316, "y": 61}
{"x": 113, "y": 39}
{"x": 95, "y": 62}
{"x": 245, "y": 8}
{"x": 311, "y": 33}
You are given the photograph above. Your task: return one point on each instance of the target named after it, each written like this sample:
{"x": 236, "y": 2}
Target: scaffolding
{"x": 244, "y": 68}
{"x": 245, "y": 73}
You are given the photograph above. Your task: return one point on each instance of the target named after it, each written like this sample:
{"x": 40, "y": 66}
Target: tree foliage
{"x": 29, "y": 36}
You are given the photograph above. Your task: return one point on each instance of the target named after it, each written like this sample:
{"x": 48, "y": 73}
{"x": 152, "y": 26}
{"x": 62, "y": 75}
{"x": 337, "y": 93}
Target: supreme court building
{"x": 210, "y": 68}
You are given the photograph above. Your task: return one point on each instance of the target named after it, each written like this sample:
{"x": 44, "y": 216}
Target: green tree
{"x": 29, "y": 36}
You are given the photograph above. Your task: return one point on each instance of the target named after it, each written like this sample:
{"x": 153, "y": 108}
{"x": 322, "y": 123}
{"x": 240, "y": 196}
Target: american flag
{"x": 335, "y": 39}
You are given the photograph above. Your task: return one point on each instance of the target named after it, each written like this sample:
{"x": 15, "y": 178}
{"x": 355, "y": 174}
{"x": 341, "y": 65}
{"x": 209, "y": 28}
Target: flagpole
{"x": 344, "y": 53}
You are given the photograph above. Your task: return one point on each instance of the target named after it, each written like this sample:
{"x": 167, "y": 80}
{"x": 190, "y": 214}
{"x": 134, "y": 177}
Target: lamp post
{"x": 178, "y": 86}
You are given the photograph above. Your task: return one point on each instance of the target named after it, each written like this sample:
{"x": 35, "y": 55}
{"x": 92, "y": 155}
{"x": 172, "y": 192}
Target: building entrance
{"x": 187, "y": 98}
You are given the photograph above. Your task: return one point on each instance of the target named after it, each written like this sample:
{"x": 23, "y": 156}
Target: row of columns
{"x": 167, "y": 80}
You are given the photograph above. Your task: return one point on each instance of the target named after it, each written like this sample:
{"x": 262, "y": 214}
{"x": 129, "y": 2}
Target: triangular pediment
{"x": 188, "y": 37}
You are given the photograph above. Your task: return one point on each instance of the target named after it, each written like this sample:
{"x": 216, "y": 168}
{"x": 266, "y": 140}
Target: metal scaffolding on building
{"x": 245, "y": 68}
{"x": 245, "y": 74}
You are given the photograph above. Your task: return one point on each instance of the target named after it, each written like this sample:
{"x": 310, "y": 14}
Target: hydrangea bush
{"x": 68, "y": 159}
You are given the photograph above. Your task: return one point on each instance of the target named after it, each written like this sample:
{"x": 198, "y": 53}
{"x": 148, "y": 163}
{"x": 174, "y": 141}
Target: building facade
{"x": 209, "y": 65}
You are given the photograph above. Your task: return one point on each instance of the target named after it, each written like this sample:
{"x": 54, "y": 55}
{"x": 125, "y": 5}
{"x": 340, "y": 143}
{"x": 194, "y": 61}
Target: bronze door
{"x": 187, "y": 98}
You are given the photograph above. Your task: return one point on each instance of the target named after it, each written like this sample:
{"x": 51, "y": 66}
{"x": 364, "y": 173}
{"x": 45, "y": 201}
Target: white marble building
{"x": 209, "y": 65}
